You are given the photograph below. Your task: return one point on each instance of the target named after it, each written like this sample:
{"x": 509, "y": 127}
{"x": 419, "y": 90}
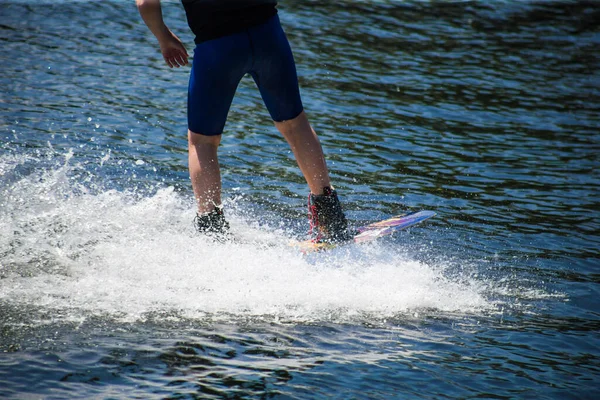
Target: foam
{"x": 72, "y": 245}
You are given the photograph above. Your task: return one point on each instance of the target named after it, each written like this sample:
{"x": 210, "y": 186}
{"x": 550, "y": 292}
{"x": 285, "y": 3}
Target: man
{"x": 234, "y": 38}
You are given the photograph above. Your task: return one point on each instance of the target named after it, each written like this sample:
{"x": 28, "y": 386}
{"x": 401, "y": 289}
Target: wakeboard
{"x": 371, "y": 231}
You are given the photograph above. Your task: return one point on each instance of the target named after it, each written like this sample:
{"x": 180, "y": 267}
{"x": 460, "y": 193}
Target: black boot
{"x": 327, "y": 220}
{"x": 212, "y": 223}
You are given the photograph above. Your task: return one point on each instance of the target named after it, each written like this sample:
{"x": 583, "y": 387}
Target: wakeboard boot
{"x": 213, "y": 224}
{"x": 328, "y": 223}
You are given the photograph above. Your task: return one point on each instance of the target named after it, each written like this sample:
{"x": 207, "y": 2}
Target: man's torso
{"x": 210, "y": 19}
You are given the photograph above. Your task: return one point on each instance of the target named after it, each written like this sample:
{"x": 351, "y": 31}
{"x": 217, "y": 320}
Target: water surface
{"x": 485, "y": 112}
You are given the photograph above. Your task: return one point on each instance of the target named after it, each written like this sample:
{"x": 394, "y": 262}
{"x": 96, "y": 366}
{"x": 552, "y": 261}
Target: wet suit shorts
{"x": 219, "y": 64}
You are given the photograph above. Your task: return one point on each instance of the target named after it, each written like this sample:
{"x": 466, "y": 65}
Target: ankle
{"x": 325, "y": 191}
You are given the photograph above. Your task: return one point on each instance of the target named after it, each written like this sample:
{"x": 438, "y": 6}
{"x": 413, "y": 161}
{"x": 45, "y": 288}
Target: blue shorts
{"x": 263, "y": 52}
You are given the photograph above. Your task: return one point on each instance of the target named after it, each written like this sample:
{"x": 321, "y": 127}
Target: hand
{"x": 173, "y": 51}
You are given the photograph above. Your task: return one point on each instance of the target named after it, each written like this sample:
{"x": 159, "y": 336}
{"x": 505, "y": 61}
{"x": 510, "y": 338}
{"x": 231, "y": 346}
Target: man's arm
{"x": 172, "y": 49}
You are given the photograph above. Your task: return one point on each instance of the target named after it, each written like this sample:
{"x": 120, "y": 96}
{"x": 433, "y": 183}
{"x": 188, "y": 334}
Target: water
{"x": 486, "y": 112}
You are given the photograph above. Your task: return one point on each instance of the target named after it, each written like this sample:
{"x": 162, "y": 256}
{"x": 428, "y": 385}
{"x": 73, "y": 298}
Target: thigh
{"x": 217, "y": 69}
{"x": 274, "y": 70}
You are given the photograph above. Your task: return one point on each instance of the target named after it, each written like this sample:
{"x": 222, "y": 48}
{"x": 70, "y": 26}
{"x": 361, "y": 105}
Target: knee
{"x": 292, "y": 126}
{"x": 198, "y": 139}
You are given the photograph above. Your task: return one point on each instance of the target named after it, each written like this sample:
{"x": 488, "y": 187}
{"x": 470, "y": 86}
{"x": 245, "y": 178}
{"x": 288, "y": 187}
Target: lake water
{"x": 486, "y": 112}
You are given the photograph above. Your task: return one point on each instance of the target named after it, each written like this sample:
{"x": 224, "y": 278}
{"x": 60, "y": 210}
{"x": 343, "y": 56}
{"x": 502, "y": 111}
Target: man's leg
{"x": 307, "y": 150}
{"x": 274, "y": 72}
{"x": 204, "y": 170}
{"x": 218, "y": 67}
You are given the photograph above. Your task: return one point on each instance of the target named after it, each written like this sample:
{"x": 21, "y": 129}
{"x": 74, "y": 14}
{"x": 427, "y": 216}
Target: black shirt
{"x": 210, "y": 19}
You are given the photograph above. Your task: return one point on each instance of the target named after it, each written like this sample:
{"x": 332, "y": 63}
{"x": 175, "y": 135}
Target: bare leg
{"x": 307, "y": 150}
{"x": 204, "y": 170}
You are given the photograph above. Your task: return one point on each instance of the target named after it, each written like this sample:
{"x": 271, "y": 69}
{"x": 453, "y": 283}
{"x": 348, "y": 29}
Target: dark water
{"x": 486, "y": 112}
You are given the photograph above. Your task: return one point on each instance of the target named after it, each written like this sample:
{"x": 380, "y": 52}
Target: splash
{"x": 68, "y": 244}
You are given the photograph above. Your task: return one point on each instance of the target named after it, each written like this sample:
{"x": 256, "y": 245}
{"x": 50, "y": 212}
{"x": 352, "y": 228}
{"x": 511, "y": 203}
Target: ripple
{"x": 486, "y": 112}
